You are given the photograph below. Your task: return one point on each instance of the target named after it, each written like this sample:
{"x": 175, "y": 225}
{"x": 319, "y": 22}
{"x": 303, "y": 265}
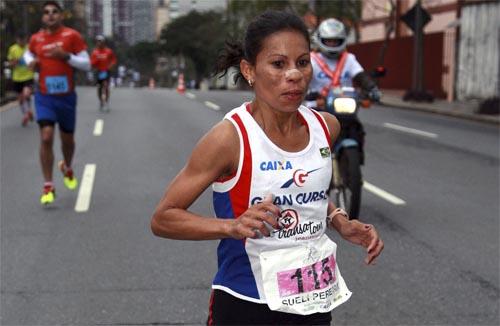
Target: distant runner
{"x": 22, "y": 77}
{"x": 102, "y": 59}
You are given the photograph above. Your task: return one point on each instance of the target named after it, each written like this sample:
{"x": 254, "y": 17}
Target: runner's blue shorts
{"x": 59, "y": 109}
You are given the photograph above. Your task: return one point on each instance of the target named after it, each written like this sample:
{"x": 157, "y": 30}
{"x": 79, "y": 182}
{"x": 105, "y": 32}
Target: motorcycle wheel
{"x": 350, "y": 172}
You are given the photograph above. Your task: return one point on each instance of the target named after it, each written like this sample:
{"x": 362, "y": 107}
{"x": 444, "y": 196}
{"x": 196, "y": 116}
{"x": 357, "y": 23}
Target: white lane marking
{"x": 383, "y": 194}
{"x": 98, "y": 127}
{"x": 190, "y": 95}
{"x": 410, "y": 130}
{"x": 85, "y": 191}
{"x": 212, "y": 105}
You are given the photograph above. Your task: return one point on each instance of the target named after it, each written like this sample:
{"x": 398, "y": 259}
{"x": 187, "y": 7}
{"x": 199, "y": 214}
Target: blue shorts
{"x": 59, "y": 109}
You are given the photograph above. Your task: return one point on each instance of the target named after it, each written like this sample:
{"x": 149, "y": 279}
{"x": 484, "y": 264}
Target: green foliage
{"x": 344, "y": 10}
{"x": 197, "y": 36}
{"x": 142, "y": 56}
{"x": 240, "y": 13}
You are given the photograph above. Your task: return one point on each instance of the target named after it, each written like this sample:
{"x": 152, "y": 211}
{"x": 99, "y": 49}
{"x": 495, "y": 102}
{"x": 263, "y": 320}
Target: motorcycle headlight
{"x": 344, "y": 105}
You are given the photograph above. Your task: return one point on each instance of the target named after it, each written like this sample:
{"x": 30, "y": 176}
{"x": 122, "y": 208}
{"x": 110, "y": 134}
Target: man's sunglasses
{"x": 50, "y": 12}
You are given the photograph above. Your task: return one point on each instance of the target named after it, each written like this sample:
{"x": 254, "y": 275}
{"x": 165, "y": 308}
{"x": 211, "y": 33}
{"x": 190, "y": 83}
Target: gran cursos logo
{"x": 299, "y": 178}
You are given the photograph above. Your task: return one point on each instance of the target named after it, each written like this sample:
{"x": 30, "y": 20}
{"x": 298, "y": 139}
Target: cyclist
{"x": 272, "y": 213}
{"x": 55, "y": 51}
{"x": 102, "y": 59}
{"x": 22, "y": 77}
{"x": 334, "y": 66}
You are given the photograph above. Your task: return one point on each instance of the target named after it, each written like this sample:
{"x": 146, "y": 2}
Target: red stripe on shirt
{"x": 240, "y": 194}
{"x": 210, "y": 320}
{"x": 325, "y": 128}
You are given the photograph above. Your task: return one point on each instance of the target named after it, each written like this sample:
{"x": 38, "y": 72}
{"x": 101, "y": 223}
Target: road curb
{"x": 461, "y": 115}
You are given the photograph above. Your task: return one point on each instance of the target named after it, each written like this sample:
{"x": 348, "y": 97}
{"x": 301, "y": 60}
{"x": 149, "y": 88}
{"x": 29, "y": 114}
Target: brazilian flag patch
{"x": 325, "y": 152}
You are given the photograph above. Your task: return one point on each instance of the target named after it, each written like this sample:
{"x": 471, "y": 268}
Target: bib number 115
{"x": 308, "y": 278}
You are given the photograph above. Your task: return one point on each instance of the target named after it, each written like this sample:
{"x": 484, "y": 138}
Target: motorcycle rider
{"x": 333, "y": 69}
{"x": 330, "y": 39}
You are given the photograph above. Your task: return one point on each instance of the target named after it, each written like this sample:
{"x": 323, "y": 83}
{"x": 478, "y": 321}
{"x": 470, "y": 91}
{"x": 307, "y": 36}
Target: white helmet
{"x": 331, "y": 37}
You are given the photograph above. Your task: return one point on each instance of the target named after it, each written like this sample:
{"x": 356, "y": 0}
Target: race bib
{"x": 102, "y": 75}
{"x": 57, "y": 84}
{"x": 304, "y": 279}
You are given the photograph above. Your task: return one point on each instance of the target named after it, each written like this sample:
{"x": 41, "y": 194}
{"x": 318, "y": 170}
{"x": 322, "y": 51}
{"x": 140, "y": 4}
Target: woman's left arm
{"x": 351, "y": 230}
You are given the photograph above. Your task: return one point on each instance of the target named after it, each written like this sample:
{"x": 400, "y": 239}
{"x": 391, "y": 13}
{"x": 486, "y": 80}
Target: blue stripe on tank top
{"x": 234, "y": 269}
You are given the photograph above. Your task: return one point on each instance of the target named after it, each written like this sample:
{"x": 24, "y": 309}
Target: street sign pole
{"x": 417, "y": 51}
{"x": 416, "y": 19}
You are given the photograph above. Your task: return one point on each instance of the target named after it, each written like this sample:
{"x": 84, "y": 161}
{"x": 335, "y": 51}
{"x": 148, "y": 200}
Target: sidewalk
{"x": 9, "y": 97}
{"x": 464, "y": 110}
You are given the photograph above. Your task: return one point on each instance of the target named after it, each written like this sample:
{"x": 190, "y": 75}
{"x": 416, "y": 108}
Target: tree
{"x": 197, "y": 36}
{"x": 142, "y": 56}
{"x": 347, "y": 11}
{"x": 240, "y": 13}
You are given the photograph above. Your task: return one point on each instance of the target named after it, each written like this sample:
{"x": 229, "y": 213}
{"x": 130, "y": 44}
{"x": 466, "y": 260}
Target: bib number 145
{"x": 56, "y": 84}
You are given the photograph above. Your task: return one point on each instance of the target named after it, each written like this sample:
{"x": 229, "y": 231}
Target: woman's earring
{"x": 250, "y": 83}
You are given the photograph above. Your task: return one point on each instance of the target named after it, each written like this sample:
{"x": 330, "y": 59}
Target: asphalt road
{"x": 102, "y": 266}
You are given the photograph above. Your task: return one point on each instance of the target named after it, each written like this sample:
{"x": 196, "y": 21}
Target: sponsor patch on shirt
{"x": 325, "y": 152}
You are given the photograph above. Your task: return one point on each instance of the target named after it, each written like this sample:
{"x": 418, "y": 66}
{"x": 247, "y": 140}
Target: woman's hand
{"x": 364, "y": 235}
{"x": 252, "y": 223}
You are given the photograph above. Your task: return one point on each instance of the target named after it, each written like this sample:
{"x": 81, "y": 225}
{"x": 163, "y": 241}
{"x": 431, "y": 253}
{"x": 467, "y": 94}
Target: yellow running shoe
{"x": 48, "y": 195}
{"x": 70, "y": 181}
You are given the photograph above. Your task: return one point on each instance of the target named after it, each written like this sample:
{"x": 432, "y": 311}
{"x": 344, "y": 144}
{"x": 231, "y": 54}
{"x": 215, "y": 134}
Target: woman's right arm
{"x": 215, "y": 155}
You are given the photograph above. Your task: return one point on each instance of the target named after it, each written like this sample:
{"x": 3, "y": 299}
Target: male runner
{"x": 56, "y": 50}
{"x": 102, "y": 59}
{"x": 22, "y": 77}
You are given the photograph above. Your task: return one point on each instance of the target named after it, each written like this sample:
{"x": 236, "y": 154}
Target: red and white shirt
{"x": 299, "y": 182}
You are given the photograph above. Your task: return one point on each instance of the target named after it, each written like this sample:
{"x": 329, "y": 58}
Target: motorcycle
{"x": 347, "y": 154}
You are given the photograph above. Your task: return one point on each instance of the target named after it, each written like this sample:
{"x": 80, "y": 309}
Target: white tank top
{"x": 299, "y": 182}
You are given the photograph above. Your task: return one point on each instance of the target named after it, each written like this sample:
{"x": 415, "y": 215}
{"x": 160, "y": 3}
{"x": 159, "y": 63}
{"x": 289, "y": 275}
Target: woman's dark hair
{"x": 267, "y": 23}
